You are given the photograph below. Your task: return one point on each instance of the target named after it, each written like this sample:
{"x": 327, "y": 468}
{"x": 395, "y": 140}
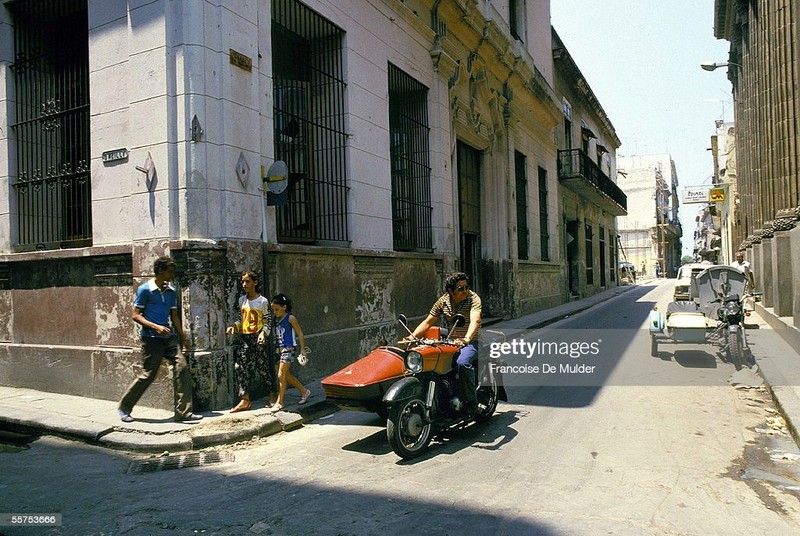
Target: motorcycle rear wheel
{"x": 409, "y": 434}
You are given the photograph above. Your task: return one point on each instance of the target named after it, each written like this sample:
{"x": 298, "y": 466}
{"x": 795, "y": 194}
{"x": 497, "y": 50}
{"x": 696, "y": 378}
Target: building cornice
{"x": 563, "y": 61}
{"x": 475, "y": 43}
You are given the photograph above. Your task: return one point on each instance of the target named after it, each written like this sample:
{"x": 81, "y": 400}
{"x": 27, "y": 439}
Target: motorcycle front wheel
{"x": 408, "y": 431}
{"x": 736, "y": 348}
{"x": 487, "y": 402}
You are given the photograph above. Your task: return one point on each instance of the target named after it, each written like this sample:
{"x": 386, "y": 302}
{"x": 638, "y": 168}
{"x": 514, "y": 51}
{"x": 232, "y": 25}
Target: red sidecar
{"x": 361, "y": 385}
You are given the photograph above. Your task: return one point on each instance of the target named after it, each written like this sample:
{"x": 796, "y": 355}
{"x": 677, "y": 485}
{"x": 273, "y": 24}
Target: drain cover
{"x": 179, "y": 461}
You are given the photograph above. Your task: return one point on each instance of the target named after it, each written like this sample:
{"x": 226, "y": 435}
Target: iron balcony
{"x": 580, "y": 174}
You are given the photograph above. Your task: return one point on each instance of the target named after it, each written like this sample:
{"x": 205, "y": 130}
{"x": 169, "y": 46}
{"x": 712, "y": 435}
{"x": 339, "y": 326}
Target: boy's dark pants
{"x": 153, "y": 351}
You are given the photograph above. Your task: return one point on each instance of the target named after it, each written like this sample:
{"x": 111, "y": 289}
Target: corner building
{"x": 418, "y": 137}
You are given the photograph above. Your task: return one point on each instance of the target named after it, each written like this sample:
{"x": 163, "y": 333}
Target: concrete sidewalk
{"x": 154, "y": 430}
{"x": 781, "y": 372}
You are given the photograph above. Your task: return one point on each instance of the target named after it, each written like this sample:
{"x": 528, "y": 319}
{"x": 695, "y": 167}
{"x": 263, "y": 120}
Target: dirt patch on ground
{"x": 770, "y": 463}
{"x": 230, "y": 424}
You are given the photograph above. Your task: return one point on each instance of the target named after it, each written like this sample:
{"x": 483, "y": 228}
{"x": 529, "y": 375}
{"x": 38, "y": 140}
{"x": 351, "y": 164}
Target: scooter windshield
{"x": 715, "y": 283}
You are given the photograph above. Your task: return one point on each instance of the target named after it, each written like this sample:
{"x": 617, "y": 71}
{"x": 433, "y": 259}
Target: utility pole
{"x": 661, "y": 231}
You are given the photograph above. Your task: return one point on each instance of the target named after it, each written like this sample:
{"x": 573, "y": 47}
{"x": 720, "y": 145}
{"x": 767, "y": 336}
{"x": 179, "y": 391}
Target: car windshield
{"x": 687, "y": 271}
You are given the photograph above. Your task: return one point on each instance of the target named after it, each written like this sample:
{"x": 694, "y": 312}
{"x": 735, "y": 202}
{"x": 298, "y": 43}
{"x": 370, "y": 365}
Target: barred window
{"x": 310, "y": 133}
{"x": 52, "y": 187}
{"x": 589, "y": 254}
{"x": 602, "y": 256}
{"x": 410, "y": 157}
{"x": 544, "y": 216}
{"x": 522, "y": 204}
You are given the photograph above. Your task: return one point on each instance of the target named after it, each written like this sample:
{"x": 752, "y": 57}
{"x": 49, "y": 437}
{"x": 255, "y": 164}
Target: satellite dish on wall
{"x": 277, "y": 177}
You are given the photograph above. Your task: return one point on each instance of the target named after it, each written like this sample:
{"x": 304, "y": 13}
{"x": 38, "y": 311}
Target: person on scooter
{"x": 459, "y": 299}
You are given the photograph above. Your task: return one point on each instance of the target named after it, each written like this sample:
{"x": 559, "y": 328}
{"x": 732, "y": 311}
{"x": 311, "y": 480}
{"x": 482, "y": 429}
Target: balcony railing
{"x": 581, "y": 175}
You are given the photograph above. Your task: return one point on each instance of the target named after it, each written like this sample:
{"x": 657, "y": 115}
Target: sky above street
{"x": 642, "y": 60}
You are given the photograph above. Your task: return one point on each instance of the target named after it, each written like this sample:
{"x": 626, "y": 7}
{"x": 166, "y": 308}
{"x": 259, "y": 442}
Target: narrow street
{"x": 626, "y": 458}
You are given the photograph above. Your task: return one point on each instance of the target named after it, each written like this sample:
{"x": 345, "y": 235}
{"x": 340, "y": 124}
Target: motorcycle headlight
{"x": 414, "y": 361}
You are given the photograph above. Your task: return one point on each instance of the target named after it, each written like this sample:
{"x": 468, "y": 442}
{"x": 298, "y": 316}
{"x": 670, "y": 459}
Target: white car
{"x": 627, "y": 269}
{"x": 683, "y": 283}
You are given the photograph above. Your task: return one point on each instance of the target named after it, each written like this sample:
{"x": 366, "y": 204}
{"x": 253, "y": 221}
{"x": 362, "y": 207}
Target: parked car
{"x": 683, "y": 283}
{"x": 627, "y": 269}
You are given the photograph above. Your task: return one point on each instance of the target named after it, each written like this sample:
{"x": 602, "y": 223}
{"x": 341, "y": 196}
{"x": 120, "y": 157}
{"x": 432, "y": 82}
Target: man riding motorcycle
{"x": 459, "y": 299}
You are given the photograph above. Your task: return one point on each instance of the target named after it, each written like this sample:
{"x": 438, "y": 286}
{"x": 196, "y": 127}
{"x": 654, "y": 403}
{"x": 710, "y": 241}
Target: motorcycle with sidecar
{"x": 715, "y": 314}
{"x": 416, "y": 388}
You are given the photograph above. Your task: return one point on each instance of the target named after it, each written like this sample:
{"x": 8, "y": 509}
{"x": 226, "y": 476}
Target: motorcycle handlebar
{"x": 428, "y": 342}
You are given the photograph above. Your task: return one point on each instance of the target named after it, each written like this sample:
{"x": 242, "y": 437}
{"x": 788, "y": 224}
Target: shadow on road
{"x": 695, "y": 359}
{"x": 491, "y": 435}
{"x": 230, "y": 498}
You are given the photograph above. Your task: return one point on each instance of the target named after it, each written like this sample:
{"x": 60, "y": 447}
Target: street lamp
{"x": 711, "y": 66}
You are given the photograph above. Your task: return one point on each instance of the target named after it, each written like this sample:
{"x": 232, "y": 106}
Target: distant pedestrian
{"x": 155, "y": 306}
{"x": 289, "y": 339}
{"x": 744, "y": 266}
{"x": 658, "y": 271}
{"x": 250, "y": 356}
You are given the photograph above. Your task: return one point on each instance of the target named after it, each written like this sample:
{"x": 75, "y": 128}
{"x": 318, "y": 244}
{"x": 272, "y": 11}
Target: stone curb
{"x": 89, "y": 431}
{"x": 262, "y": 424}
{"x": 788, "y": 404}
{"x": 146, "y": 442}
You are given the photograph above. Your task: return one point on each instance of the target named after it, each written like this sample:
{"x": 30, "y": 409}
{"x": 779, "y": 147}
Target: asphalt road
{"x": 628, "y": 457}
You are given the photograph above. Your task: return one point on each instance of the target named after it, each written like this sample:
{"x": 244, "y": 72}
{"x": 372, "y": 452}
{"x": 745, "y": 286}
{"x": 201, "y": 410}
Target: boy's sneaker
{"x": 124, "y": 416}
{"x": 190, "y": 417}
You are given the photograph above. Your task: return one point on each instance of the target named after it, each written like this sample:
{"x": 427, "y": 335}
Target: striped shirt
{"x": 444, "y": 307}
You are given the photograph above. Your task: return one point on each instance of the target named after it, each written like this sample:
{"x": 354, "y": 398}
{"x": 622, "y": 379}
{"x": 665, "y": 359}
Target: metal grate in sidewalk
{"x": 178, "y": 461}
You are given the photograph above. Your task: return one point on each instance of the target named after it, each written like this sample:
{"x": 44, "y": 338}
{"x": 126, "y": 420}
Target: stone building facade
{"x": 764, "y": 70}
{"x": 651, "y": 232}
{"x": 418, "y": 137}
{"x": 590, "y": 200}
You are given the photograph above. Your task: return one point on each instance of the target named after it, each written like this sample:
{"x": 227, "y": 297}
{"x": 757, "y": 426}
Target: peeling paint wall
{"x": 6, "y": 316}
{"x": 348, "y": 304}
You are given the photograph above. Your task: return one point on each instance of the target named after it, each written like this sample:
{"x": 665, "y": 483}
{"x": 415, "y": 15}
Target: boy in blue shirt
{"x": 156, "y": 304}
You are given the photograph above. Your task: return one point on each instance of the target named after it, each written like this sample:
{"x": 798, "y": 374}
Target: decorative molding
{"x": 444, "y": 63}
{"x": 785, "y": 220}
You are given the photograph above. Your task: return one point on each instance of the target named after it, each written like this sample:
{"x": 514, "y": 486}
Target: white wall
{"x": 6, "y": 111}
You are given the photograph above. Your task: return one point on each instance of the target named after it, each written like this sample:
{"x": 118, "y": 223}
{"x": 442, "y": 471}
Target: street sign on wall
{"x": 716, "y": 195}
{"x": 695, "y": 194}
